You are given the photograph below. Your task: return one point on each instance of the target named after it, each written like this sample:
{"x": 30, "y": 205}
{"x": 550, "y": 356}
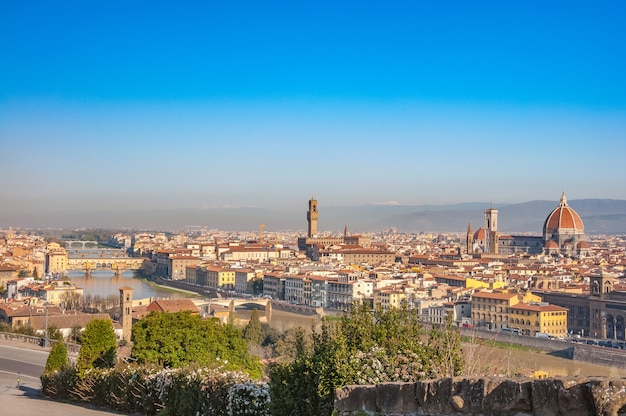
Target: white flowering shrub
{"x": 248, "y": 399}
{"x": 377, "y": 366}
{"x": 197, "y": 391}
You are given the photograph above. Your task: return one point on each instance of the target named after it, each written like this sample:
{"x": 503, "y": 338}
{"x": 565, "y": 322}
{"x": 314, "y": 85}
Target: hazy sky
{"x": 202, "y": 104}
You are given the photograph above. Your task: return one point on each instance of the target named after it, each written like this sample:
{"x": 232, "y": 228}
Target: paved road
{"x": 26, "y": 400}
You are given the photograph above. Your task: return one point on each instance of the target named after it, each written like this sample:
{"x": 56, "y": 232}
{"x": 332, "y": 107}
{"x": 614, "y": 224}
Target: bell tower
{"x": 470, "y": 238}
{"x": 491, "y": 231}
{"x": 126, "y": 315}
{"x": 311, "y": 217}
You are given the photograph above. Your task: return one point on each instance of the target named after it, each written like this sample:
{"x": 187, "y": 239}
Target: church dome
{"x": 563, "y": 219}
{"x": 551, "y": 244}
{"x": 479, "y": 234}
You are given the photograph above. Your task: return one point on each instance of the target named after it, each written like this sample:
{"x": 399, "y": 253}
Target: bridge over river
{"x": 116, "y": 264}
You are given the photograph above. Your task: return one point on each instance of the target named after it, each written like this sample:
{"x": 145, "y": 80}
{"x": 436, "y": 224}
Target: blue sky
{"x": 194, "y": 104}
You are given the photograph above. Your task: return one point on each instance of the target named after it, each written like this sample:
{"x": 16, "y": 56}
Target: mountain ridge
{"x": 600, "y": 216}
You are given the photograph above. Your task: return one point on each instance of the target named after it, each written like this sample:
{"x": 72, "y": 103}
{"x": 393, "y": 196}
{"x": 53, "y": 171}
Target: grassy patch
{"x": 497, "y": 344}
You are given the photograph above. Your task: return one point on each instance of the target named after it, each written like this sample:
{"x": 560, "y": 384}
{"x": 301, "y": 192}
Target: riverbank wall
{"x": 486, "y": 396}
{"x": 593, "y": 354}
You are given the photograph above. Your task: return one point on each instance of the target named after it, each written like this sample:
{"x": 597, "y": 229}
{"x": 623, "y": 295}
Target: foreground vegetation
{"x": 182, "y": 365}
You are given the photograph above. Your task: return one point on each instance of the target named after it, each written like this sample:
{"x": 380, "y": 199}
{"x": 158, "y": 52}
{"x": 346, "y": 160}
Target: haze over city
{"x": 154, "y": 106}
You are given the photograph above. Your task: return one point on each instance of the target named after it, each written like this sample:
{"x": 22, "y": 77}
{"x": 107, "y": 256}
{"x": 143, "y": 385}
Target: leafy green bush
{"x": 57, "y": 359}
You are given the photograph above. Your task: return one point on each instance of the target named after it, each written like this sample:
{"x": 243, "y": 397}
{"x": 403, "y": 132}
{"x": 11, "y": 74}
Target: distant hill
{"x": 600, "y": 216}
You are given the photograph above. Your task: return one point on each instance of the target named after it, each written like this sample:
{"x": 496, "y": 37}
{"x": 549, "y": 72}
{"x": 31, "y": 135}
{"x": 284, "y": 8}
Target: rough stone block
{"x": 607, "y": 396}
{"x": 434, "y": 396}
{"x": 355, "y": 398}
{"x": 396, "y": 398}
{"x": 506, "y": 396}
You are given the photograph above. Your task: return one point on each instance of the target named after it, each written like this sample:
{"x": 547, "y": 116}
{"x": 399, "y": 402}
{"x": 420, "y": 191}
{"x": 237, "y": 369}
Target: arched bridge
{"x": 117, "y": 264}
{"x": 83, "y": 244}
{"x": 250, "y": 304}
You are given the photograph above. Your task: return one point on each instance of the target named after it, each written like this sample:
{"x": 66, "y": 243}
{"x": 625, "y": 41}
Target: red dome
{"x": 479, "y": 234}
{"x": 563, "y": 218}
{"x": 551, "y": 244}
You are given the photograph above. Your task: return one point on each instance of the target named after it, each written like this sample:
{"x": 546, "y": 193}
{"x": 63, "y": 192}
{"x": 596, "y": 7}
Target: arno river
{"x": 104, "y": 283}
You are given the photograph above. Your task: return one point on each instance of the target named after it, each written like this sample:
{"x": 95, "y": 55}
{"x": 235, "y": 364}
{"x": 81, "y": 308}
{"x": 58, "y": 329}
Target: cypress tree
{"x": 253, "y": 332}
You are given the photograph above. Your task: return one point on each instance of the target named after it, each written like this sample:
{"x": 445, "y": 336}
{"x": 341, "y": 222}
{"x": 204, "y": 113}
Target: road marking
{"x": 21, "y": 375}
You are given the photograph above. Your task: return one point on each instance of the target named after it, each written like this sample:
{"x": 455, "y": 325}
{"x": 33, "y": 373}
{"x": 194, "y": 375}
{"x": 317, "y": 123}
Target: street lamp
{"x": 45, "y": 340}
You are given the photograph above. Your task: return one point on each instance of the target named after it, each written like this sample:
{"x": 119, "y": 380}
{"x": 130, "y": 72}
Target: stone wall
{"x": 610, "y": 357}
{"x": 574, "y": 396}
{"x": 9, "y": 336}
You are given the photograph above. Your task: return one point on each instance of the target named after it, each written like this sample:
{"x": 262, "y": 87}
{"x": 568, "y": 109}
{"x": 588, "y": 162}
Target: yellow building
{"x": 529, "y": 297}
{"x": 221, "y": 277}
{"x": 389, "y": 298}
{"x": 56, "y": 258}
{"x": 483, "y": 284}
{"x": 532, "y": 319}
{"x": 7, "y": 273}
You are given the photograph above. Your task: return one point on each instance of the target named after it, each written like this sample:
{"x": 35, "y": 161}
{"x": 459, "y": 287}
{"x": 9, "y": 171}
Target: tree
{"x": 257, "y": 287}
{"x": 178, "y": 339}
{"x": 57, "y": 360}
{"x": 35, "y": 273}
{"x": 54, "y": 333}
{"x": 75, "y": 334}
{"x": 253, "y": 332}
{"x": 99, "y": 345}
{"x": 70, "y": 300}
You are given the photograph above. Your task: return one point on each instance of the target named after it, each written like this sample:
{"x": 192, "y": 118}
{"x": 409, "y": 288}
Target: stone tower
{"x": 491, "y": 231}
{"x": 126, "y": 315}
{"x": 311, "y": 217}
{"x": 470, "y": 238}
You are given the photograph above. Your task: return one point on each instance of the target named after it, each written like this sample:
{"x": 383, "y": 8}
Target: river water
{"x": 105, "y": 283}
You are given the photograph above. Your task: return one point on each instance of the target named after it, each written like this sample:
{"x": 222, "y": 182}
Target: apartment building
{"x": 274, "y": 286}
{"x": 388, "y": 298}
{"x": 177, "y": 266}
{"x": 491, "y": 310}
{"x": 243, "y": 280}
{"x": 219, "y": 277}
{"x": 367, "y": 256}
{"x": 542, "y": 318}
{"x": 56, "y": 259}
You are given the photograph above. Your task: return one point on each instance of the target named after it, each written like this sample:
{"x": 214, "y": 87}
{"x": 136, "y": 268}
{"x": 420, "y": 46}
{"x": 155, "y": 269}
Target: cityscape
{"x": 329, "y": 208}
{"x": 561, "y": 284}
